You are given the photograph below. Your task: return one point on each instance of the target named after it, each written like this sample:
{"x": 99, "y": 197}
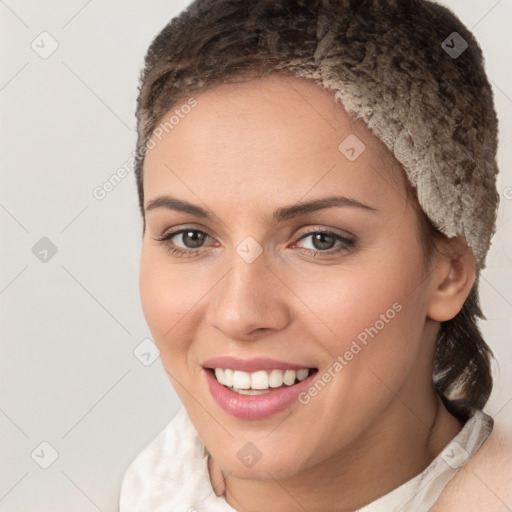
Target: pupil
{"x": 196, "y": 238}
{"x": 321, "y": 239}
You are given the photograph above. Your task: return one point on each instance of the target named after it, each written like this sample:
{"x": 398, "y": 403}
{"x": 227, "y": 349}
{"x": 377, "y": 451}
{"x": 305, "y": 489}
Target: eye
{"x": 191, "y": 240}
{"x": 323, "y": 241}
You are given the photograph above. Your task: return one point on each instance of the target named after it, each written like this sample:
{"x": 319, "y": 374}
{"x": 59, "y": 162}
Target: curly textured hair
{"x": 384, "y": 60}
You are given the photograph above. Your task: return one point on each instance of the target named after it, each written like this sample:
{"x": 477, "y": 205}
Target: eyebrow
{"x": 279, "y": 215}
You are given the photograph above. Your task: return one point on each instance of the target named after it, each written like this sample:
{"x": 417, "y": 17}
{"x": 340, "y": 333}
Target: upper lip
{"x": 252, "y": 365}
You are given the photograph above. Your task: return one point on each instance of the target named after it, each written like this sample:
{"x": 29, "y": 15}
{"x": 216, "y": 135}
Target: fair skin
{"x": 244, "y": 151}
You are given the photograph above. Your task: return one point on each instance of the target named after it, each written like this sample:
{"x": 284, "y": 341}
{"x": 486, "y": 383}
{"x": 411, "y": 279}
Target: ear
{"x": 454, "y": 276}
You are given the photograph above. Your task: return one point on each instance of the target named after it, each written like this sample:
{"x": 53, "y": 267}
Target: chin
{"x": 270, "y": 466}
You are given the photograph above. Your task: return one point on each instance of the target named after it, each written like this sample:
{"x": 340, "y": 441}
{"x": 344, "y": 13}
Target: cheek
{"x": 345, "y": 302}
{"x": 372, "y": 342}
{"x": 369, "y": 319}
{"x": 169, "y": 299}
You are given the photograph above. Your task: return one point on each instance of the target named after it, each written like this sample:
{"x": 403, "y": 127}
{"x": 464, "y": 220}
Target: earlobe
{"x": 455, "y": 275}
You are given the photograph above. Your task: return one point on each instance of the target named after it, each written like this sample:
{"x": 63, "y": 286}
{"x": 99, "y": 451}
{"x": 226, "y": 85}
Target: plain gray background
{"x": 70, "y": 321}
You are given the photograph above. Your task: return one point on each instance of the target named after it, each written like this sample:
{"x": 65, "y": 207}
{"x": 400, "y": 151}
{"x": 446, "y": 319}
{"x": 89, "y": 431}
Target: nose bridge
{"x": 249, "y": 297}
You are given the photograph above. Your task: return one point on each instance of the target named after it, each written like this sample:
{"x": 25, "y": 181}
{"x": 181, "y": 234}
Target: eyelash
{"x": 347, "y": 244}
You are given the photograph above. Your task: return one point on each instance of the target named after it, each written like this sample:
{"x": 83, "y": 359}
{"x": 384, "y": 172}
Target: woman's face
{"x": 252, "y": 280}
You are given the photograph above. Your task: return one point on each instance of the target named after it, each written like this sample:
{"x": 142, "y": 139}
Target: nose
{"x": 249, "y": 299}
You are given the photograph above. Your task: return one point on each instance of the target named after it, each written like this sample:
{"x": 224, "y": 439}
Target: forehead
{"x": 277, "y": 134}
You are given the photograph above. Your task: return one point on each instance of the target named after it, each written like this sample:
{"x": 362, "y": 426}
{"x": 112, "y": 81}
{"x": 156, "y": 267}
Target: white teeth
{"x": 241, "y": 380}
{"x": 302, "y": 374}
{"x": 256, "y": 382}
{"x": 259, "y": 380}
{"x": 289, "y": 377}
{"x": 228, "y": 377}
{"x": 275, "y": 379}
{"x": 250, "y": 391}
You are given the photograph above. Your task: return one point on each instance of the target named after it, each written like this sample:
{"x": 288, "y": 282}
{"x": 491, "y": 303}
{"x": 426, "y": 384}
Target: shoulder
{"x": 485, "y": 481}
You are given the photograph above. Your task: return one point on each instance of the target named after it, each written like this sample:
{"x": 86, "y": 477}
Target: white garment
{"x": 171, "y": 473}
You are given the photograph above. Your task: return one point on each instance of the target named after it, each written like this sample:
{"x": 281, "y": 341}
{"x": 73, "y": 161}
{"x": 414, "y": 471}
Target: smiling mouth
{"x": 259, "y": 382}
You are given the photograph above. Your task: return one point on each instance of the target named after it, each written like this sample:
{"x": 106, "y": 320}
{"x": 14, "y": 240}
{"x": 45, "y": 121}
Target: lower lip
{"x": 254, "y": 407}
